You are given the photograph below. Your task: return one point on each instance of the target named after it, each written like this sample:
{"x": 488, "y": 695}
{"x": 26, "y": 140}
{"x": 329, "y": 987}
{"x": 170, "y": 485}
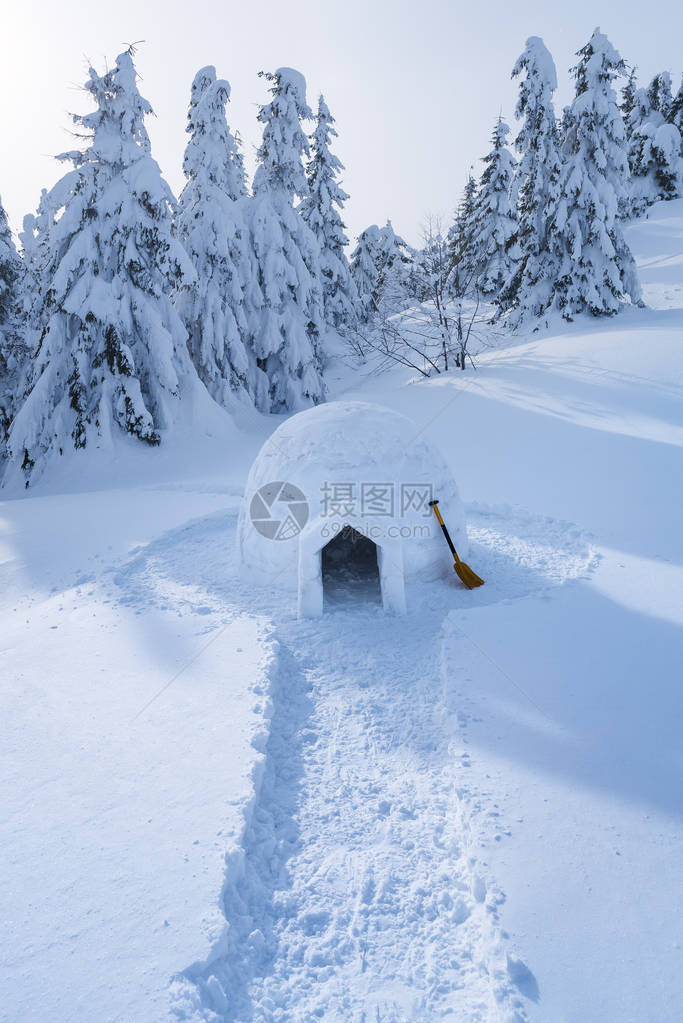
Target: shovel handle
{"x": 435, "y": 506}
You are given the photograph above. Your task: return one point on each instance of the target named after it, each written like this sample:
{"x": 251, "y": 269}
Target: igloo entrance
{"x": 350, "y": 569}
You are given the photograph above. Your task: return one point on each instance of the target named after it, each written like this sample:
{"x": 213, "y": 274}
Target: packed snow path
{"x": 361, "y": 891}
{"x": 362, "y": 896}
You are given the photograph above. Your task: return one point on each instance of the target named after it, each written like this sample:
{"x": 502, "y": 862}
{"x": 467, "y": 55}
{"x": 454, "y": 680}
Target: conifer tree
{"x": 469, "y": 200}
{"x": 676, "y": 111}
{"x": 494, "y": 217}
{"x": 659, "y": 94}
{"x": 36, "y": 251}
{"x": 529, "y": 290}
{"x": 30, "y": 248}
{"x": 240, "y": 174}
{"x": 460, "y": 236}
{"x": 656, "y": 165}
{"x": 321, "y": 209}
{"x": 654, "y": 147}
{"x": 12, "y": 344}
{"x": 288, "y": 327}
{"x": 641, "y": 112}
{"x": 595, "y": 268}
{"x": 365, "y": 263}
{"x": 381, "y": 265}
{"x": 628, "y": 98}
{"x": 217, "y": 306}
{"x": 112, "y": 355}
{"x": 394, "y": 271}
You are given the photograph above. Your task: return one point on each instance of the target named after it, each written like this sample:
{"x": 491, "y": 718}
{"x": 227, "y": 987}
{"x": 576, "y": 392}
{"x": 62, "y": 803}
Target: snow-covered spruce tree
{"x": 365, "y": 263}
{"x": 217, "y": 306}
{"x": 16, "y": 369}
{"x": 12, "y": 343}
{"x": 676, "y": 111}
{"x": 30, "y": 253}
{"x": 654, "y": 146}
{"x": 240, "y": 174}
{"x": 112, "y": 354}
{"x": 37, "y": 253}
{"x": 460, "y": 236}
{"x": 595, "y": 268}
{"x": 393, "y": 290}
{"x": 640, "y": 112}
{"x": 381, "y": 266}
{"x": 321, "y": 209}
{"x": 655, "y": 161}
{"x": 655, "y": 152}
{"x": 288, "y": 327}
{"x": 529, "y": 289}
{"x": 628, "y": 97}
{"x": 659, "y": 94}
{"x": 494, "y": 222}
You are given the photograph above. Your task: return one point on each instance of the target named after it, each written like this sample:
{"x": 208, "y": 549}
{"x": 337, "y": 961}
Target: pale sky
{"x": 415, "y": 86}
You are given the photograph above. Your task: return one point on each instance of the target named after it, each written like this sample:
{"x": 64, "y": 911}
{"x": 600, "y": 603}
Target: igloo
{"x": 347, "y": 484}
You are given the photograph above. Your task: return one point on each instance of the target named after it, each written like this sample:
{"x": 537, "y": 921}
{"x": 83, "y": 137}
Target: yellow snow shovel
{"x": 463, "y": 571}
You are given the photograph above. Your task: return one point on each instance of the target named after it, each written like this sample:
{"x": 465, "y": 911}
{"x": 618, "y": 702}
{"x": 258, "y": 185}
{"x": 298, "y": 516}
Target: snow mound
{"x": 348, "y": 464}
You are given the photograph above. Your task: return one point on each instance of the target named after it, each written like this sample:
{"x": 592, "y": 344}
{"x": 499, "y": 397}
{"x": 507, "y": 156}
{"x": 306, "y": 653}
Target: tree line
{"x": 540, "y": 232}
{"x": 124, "y": 302}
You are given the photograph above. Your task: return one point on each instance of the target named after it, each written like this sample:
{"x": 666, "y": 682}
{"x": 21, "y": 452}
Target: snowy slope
{"x": 115, "y": 827}
{"x": 585, "y": 426}
{"x": 473, "y": 813}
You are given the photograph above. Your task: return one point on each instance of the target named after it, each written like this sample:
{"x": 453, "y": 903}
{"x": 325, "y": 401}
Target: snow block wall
{"x": 347, "y": 464}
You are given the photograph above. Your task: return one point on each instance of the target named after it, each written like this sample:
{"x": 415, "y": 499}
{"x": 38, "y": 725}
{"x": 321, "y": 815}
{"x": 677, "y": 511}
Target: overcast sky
{"x": 415, "y": 86}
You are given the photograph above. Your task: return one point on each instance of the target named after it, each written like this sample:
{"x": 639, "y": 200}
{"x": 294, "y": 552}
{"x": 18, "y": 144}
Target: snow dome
{"x": 341, "y": 492}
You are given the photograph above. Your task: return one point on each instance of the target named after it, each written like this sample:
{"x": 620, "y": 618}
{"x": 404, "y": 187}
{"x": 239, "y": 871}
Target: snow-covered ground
{"x": 472, "y": 813}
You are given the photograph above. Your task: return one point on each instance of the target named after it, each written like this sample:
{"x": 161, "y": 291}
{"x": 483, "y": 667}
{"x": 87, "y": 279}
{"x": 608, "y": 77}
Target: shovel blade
{"x": 467, "y": 575}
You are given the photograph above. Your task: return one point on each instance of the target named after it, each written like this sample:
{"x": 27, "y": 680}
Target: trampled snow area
{"x": 474, "y": 812}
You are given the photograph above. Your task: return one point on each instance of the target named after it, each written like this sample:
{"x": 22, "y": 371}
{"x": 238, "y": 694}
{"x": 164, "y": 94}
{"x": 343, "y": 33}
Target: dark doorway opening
{"x": 350, "y": 569}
